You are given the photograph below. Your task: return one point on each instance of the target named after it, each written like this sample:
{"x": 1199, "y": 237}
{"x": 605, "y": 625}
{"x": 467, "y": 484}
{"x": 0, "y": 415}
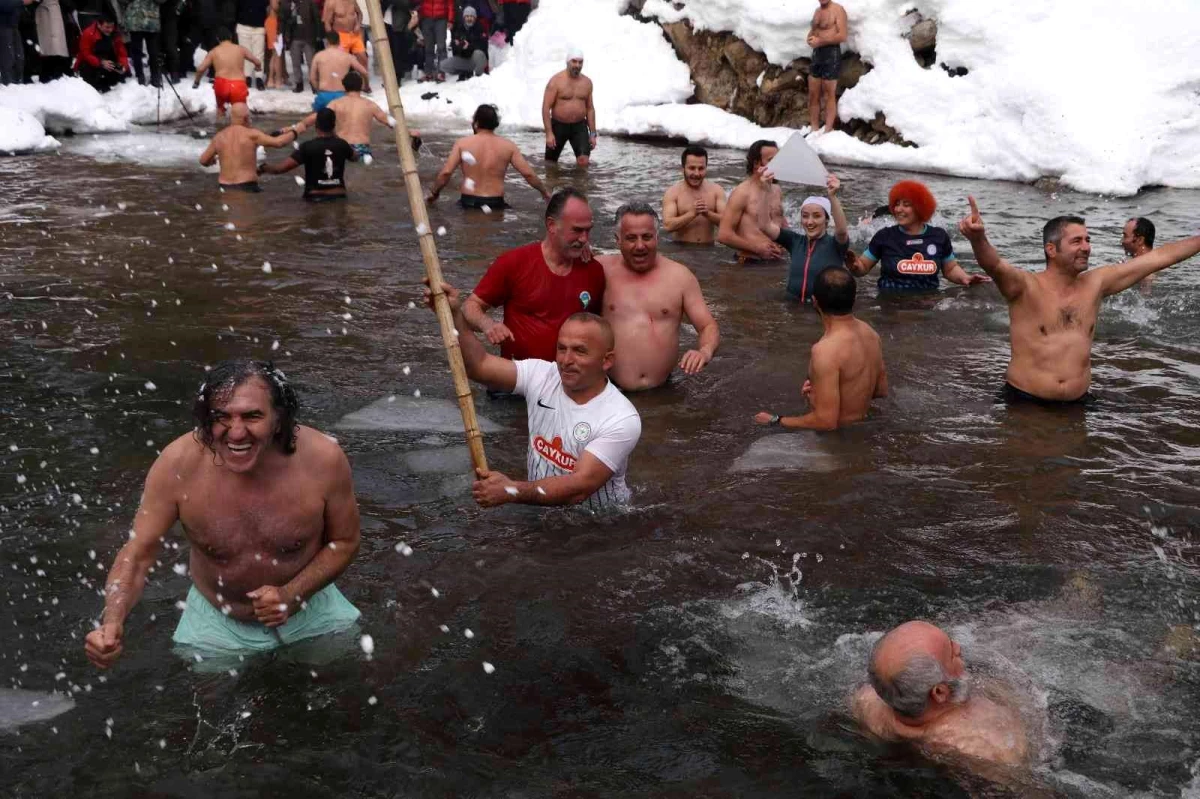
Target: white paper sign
{"x": 796, "y": 162}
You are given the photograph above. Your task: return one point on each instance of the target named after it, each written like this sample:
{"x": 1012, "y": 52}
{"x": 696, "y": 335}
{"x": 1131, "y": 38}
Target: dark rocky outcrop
{"x": 733, "y": 76}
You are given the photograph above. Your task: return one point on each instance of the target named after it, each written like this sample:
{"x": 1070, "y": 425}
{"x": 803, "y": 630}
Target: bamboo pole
{"x": 433, "y": 268}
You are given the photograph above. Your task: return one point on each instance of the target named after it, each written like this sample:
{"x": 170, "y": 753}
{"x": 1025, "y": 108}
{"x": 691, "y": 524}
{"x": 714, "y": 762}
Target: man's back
{"x": 354, "y": 115}
{"x": 227, "y": 60}
{"x": 329, "y": 67}
{"x": 237, "y": 152}
{"x": 492, "y": 154}
{"x": 854, "y": 347}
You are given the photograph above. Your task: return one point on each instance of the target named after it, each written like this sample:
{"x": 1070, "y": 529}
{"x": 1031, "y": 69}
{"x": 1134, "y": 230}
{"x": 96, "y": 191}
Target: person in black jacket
{"x": 300, "y": 24}
{"x": 468, "y": 47}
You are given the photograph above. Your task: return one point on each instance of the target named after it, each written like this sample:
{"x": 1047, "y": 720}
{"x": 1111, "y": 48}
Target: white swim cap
{"x": 820, "y": 202}
{"x": 574, "y": 52}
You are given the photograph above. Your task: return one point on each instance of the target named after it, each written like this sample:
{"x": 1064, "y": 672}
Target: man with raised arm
{"x": 692, "y": 207}
{"x": 354, "y": 116}
{"x": 739, "y": 226}
{"x": 226, "y": 60}
{"x": 269, "y": 510}
{"x": 825, "y": 38}
{"x": 568, "y": 114}
{"x": 484, "y": 158}
{"x": 1052, "y": 313}
{"x": 845, "y": 371}
{"x": 235, "y": 148}
{"x": 582, "y": 429}
{"x": 646, "y": 297}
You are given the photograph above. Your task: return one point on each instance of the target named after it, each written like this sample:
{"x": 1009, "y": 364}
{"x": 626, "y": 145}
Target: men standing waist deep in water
{"x": 236, "y": 149}
{"x": 825, "y": 38}
{"x": 324, "y": 158}
{"x": 845, "y": 370}
{"x": 568, "y": 114}
{"x": 484, "y": 158}
{"x": 540, "y": 284}
{"x": 269, "y": 510}
{"x": 354, "y": 115}
{"x": 816, "y": 249}
{"x": 226, "y": 60}
{"x": 739, "y": 223}
{"x": 692, "y": 207}
{"x": 646, "y": 297}
{"x": 911, "y": 252}
{"x": 1052, "y": 313}
{"x": 328, "y": 68}
{"x": 920, "y": 693}
{"x": 1137, "y": 238}
{"x": 582, "y": 429}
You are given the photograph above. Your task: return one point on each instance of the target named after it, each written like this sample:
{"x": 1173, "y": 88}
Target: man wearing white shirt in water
{"x": 582, "y": 429}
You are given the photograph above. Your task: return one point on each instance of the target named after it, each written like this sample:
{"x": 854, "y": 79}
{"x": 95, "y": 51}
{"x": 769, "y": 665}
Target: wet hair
{"x": 333, "y": 38}
{"x": 559, "y": 199}
{"x": 1052, "y": 233}
{"x": 219, "y": 385}
{"x": 487, "y": 117}
{"x": 835, "y": 290}
{"x": 693, "y": 149}
{"x": 754, "y": 154}
{"x": 635, "y": 209}
{"x": 326, "y": 120}
{"x": 595, "y": 319}
{"x": 1144, "y": 228}
{"x": 352, "y": 82}
{"x": 918, "y": 194}
{"x": 907, "y": 692}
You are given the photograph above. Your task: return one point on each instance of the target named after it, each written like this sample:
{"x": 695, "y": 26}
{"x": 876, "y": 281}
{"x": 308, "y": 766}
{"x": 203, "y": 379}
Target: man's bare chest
{"x": 224, "y": 523}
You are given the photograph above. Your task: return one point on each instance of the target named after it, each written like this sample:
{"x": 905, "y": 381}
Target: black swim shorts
{"x": 826, "y": 62}
{"x": 472, "y": 202}
{"x": 574, "y": 132}
{"x": 1011, "y": 395}
{"x": 250, "y": 185}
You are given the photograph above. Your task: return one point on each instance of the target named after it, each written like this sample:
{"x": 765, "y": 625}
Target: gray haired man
{"x": 646, "y": 297}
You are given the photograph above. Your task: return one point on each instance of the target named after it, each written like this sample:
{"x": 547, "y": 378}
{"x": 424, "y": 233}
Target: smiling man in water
{"x": 269, "y": 510}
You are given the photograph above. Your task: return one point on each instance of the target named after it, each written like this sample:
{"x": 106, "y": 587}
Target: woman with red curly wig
{"x": 912, "y": 252}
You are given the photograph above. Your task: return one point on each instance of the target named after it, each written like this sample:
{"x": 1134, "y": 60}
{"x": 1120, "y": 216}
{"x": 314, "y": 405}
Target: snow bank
{"x": 1054, "y": 88}
{"x": 1057, "y": 88}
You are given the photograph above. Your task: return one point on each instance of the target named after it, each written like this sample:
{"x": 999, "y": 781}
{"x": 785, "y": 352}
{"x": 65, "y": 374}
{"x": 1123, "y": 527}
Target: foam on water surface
{"x": 19, "y": 707}
{"x": 786, "y": 451}
{"x": 425, "y": 415}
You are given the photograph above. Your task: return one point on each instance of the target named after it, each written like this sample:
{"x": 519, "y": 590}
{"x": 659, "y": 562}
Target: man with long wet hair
{"x": 269, "y": 510}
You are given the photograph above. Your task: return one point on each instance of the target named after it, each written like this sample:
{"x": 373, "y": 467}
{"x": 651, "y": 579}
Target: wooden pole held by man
{"x": 416, "y": 200}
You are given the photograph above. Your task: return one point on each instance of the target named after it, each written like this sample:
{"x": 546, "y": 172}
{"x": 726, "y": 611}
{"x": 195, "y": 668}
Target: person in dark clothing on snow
{"x": 468, "y": 47}
{"x": 300, "y": 23}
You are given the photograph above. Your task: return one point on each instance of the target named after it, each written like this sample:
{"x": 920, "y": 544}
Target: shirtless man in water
{"x": 645, "y": 299}
{"x": 1052, "y": 314}
{"x": 236, "y": 149}
{"x": 226, "y": 60}
{"x": 692, "y": 207}
{"x": 354, "y": 116}
{"x": 568, "y": 114}
{"x": 484, "y": 158}
{"x": 825, "y": 38}
{"x": 739, "y": 223}
{"x": 920, "y": 692}
{"x": 268, "y": 508}
{"x": 327, "y": 70}
{"x": 344, "y": 17}
{"x": 846, "y": 369}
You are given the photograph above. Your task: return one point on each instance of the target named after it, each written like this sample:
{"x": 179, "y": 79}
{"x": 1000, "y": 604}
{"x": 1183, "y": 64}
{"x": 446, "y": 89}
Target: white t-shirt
{"x": 560, "y": 430}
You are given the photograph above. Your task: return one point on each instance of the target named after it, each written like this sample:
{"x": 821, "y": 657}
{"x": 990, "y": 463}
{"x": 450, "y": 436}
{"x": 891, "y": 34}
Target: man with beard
{"x": 269, "y": 510}
{"x": 645, "y": 299}
{"x": 568, "y": 114}
{"x": 582, "y": 429}
{"x": 1052, "y": 313}
{"x": 692, "y": 207}
{"x": 919, "y": 693}
{"x": 540, "y": 284}
{"x": 484, "y": 158}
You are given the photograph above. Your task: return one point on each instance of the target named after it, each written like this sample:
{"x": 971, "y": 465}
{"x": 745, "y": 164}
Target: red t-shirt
{"x": 536, "y": 301}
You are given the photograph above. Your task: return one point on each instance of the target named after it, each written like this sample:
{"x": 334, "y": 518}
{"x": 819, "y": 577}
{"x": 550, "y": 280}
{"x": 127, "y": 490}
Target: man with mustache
{"x": 568, "y": 114}
{"x": 920, "y": 693}
{"x": 1052, "y": 313}
{"x": 269, "y": 510}
{"x": 541, "y": 284}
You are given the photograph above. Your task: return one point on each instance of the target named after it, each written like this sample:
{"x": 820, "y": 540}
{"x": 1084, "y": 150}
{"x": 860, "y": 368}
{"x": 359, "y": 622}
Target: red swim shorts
{"x": 229, "y": 92}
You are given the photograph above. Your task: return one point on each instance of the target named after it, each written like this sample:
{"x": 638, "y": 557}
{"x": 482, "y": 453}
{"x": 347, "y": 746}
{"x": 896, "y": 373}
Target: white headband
{"x": 820, "y": 202}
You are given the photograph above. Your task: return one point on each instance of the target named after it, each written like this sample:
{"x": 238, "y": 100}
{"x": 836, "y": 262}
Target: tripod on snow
{"x": 163, "y": 78}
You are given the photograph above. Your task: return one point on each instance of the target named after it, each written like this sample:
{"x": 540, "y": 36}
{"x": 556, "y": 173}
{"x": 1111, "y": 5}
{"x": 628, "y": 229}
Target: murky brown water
{"x": 651, "y": 654}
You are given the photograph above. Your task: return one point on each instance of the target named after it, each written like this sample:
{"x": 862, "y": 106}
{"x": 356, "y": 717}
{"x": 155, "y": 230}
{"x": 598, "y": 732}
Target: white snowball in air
{"x": 368, "y": 159}
{"x": 266, "y": 267}
{"x": 488, "y": 668}
{"x": 150, "y": 386}
{"x": 367, "y": 643}
{"x": 230, "y": 226}
{"x": 299, "y": 180}
{"x": 441, "y": 231}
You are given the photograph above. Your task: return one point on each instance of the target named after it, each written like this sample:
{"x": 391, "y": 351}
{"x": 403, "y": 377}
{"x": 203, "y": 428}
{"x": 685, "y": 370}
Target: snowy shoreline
{"x": 1003, "y": 121}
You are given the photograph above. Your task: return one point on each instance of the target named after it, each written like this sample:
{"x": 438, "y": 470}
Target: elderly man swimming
{"x": 920, "y": 692}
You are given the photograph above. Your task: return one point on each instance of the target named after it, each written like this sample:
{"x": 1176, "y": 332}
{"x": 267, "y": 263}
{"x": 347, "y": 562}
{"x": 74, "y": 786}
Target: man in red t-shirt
{"x": 540, "y": 284}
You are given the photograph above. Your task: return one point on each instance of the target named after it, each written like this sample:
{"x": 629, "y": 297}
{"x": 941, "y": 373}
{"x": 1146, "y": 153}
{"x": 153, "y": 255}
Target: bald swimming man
{"x": 236, "y": 148}
{"x": 920, "y": 692}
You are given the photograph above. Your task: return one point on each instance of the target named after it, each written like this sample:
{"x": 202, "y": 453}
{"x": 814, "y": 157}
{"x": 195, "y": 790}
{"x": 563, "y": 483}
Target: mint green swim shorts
{"x": 203, "y": 628}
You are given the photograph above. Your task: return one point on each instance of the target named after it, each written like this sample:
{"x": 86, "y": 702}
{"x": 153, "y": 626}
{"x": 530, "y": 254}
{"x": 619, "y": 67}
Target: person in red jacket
{"x": 102, "y": 60}
{"x": 436, "y": 16}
